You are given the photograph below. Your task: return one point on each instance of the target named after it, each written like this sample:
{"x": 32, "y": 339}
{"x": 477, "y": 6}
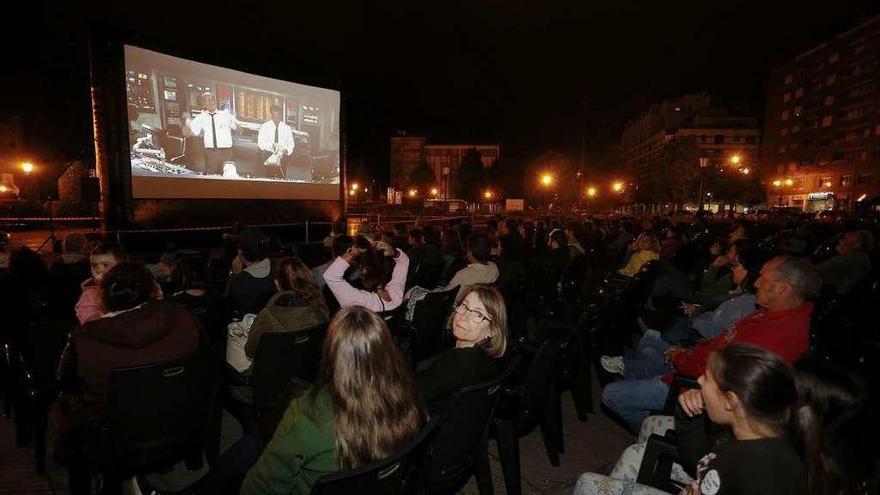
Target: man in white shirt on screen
{"x": 275, "y": 139}
{"x": 216, "y": 129}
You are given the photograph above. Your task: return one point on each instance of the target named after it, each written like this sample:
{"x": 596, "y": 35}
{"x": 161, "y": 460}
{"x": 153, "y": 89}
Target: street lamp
{"x": 488, "y": 194}
{"x": 704, "y": 162}
{"x": 777, "y": 183}
{"x": 735, "y": 159}
{"x": 546, "y": 181}
{"x": 412, "y": 193}
{"x": 789, "y": 182}
{"x": 434, "y": 191}
{"x": 354, "y": 186}
{"x": 617, "y": 186}
{"x": 27, "y": 167}
{"x": 591, "y": 192}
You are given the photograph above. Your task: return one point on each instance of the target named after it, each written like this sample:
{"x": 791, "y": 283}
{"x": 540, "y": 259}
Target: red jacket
{"x": 785, "y": 333}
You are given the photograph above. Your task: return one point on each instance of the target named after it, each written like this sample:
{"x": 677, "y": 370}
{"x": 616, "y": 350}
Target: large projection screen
{"x": 198, "y": 131}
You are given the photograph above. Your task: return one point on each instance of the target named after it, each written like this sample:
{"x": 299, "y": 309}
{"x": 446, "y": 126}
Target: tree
{"x": 422, "y": 177}
{"x": 470, "y": 178}
{"x": 675, "y": 177}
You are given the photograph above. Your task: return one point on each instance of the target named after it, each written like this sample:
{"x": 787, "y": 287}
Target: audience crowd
{"x": 748, "y": 345}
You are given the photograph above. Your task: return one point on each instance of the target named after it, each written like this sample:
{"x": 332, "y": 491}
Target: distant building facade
{"x": 408, "y": 152}
{"x": 718, "y": 134}
{"x": 821, "y": 144}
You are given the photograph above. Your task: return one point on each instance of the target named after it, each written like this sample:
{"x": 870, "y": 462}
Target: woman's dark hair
{"x": 762, "y": 381}
{"x": 116, "y": 250}
{"x": 189, "y": 273}
{"x": 126, "y": 285}
{"x": 294, "y": 276}
{"x": 253, "y": 244}
{"x": 371, "y": 262}
{"x": 25, "y": 264}
{"x": 752, "y": 260}
{"x": 837, "y": 431}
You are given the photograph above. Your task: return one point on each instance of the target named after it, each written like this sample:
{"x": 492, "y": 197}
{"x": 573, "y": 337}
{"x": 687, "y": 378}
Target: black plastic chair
{"x": 158, "y": 415}
{"x": 281, "y": 357}
{"x": 427, "y": 330}
{"x": 459, "y": 448}
{"x": 37, "y": 384}
{"x": 527, "y": 402}
{"x": 387, "y": 477}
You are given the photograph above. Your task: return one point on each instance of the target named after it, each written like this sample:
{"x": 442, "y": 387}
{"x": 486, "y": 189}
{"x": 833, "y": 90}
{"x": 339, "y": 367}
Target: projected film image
{"x": 192, "y": 121}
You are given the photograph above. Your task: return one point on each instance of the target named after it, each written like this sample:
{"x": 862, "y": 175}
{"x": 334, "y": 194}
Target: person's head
{"x": 26, "y": 265}
{"x": 292, "y": 275}
{"x": 275, "y": 111}
{"x": 647, "y": 242}
{"x": 341, "y": 244}
{"x": 416, "y": 237}
{"x": 190, "y": 273}
{"x": 786, "y": 282}
{"x": 400, "y": 229}
{"x": 480, "y": 318}
{"x": 104, "y": 257}
{"x": 209, "y": 102}
{"x": 746, "y": 268}
{"x": 740, "y": 245}
{"x": 747, "y": 385}
{"x": 557, "y": 239}
{"x": 492, "y": 225}
{"x": 253, "y": 245}
{"x": 126, "y": 285}
{"x": 854, "y": 241}
{"x": 451, "y": 242}
{"x": 574, "y": 231}
{"x": 836, "y": 431}
{"x": 73, "y": 243}
{"x": 479, "y": 248}
{"x": 373, "y": 395}
{"x": 371, "y": 263}
{"x": 511, "y": 226}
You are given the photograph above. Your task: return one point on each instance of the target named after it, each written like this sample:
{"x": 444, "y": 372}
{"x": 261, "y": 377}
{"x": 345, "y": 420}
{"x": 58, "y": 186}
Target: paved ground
{"x": 593, "y": 445}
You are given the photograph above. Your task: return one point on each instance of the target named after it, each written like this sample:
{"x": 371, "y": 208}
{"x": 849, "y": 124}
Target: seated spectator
{"x": 574, "y": 232}
{"x": 379, "y": 293}
{"x": 24, "y": 290}
{"x": 781, "y": 325}
{"x": 479, "y": 270}
{"x": 751, "y": 391}
{"x": 421, "y": 253}
{"x": 339, "y": 245}
{"x": 298, "y": 304}
{"x": 645, "y": 248}
{"x": 191, "y": 287}
{"x": 104, "y": 257}
{"x": 251, "y": 285}
{"x": 672, "y": 243}
{"x": 135, "y": 330}
{"x": 648, "y": 358}
{"x": 479, "y": 324}
{"x": 401, "y": 239}
{"x": 851, "y": 263}
{"x": 363, "y": 409}
{"x": 452, "y": 253}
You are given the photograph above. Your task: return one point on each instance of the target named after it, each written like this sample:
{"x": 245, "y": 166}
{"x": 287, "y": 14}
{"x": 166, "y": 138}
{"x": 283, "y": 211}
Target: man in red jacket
{"x": 780, "y": 325}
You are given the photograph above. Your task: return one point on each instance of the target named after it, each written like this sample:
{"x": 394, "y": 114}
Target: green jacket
{"x": 844, "y": 270}
{"x": 302, "y": 450}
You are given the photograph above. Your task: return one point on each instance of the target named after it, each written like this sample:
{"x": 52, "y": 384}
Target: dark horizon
{"x": 525, "y": 76}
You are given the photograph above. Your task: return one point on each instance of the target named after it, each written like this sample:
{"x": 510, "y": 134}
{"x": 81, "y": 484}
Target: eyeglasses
{"x": 473, "y": 315}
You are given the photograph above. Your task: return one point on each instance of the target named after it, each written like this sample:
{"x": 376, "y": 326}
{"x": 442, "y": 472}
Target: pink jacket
{"x": 87, "y": 308}
{"x": 347, "y": 295}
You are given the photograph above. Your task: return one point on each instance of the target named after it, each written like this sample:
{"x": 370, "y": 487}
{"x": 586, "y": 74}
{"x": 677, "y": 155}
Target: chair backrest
{"x": 429, "y": 323}
{"x": 428, "y": 275}
{"x": 157, "y": 414}
{"x": 385, "y": 477}
{"x": 463, "y": 431}
{"x": 282, "y": 356}
{"x": 540, "y": 379}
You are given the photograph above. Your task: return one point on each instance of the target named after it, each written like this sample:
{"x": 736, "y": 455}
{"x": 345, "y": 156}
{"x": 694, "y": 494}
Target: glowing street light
{"x": 488, "y": 194}
{"x": 434, "y": 191}
{"x": 617, "y": 186}
{"x": 354, "y": 186}
{"x": 777, "y": 183}
{"x": 351, "y": 193}
{"x": 735, "y": 159}
{"x": 591, "y": 191}
{"x": 546, "y": 179}
{"x": 3, "y": 188}
{"x": 412, "y": 193}
{"x": 745, "y": 171}
{"x": 789, "y": 182}
{"x": 27, "y": 167}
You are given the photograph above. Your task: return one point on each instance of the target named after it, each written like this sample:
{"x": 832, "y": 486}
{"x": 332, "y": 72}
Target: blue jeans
{"x": 648, "y": 358}
{"x": 633, "y": 400}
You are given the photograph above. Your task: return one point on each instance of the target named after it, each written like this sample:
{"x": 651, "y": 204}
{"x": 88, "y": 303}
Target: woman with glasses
{"x": 479, "y": 324}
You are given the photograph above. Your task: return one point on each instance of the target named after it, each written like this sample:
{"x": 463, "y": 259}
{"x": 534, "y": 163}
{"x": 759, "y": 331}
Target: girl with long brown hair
{"x": 363, "y": 409}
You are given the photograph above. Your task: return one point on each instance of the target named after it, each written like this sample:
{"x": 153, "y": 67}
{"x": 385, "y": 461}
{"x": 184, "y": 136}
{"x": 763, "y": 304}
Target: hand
{"x": 384, "y": 246}
{"x": 672, "y": 352}
{"x": 691, "y": 401}
{"x": 720, "y": 261}
{"x": 691, "y": 489}
{"x": 237, "y": 264}
{"x": 689, "y": 309}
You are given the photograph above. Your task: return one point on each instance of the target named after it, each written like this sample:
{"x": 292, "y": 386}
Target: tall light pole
{"x": 546, "y": 181}
{"x": 704, "y": 162}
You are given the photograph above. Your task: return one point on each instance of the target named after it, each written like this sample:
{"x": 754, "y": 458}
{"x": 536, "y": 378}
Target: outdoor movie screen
{"x": 201, "y": 131}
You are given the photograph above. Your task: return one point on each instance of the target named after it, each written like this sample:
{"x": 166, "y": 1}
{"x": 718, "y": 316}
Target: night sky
{"x": 526, "y": 74}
